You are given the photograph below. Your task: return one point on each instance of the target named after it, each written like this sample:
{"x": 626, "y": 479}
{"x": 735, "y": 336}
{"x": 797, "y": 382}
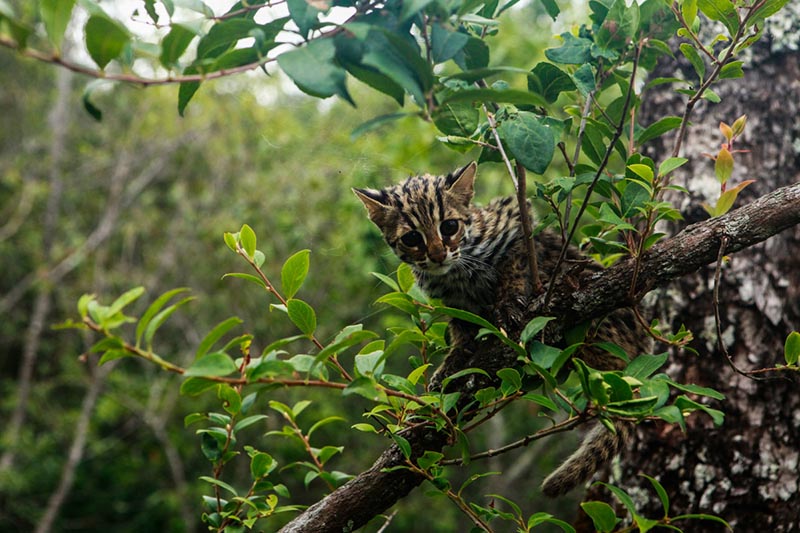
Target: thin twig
{"x": 718, "y": 64}
{"x": 590, "y": 189}
{"x": 129, "y": 78}
{"x": 527, "y": 228}
{"x": 566, "y": 425}
{"x": 503, "y": 155}
{"x": 387, "y": 522}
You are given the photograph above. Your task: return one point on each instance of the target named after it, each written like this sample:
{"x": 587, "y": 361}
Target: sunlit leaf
{"x": 105, "y": 39}
{"x": 55, "y": 16}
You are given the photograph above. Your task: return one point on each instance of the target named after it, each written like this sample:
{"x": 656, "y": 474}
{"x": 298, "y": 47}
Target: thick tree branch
{"x": 373, "y": 491}
{"x": 694, "y": 247}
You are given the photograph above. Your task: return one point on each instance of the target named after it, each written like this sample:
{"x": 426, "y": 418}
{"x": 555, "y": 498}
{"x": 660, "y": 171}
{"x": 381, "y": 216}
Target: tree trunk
{"x": 745, "y": 471}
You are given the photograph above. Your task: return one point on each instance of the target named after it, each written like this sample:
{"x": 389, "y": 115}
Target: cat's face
{"x": 425, "y": 218}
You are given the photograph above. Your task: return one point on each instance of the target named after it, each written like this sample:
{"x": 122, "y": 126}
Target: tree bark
{"x": 375, "y": 490}
{"x": 745, "y": 471}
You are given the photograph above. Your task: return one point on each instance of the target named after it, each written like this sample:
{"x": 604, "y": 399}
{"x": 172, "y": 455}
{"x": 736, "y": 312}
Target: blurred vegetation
{"x": 157, "y": 191}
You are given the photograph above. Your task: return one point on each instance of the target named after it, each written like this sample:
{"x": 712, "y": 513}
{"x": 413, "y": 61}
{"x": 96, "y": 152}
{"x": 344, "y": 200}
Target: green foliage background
{"x": 250, "y": 149}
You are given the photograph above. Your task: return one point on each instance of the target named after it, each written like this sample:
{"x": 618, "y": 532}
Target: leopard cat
{"x": 468, "y": 256}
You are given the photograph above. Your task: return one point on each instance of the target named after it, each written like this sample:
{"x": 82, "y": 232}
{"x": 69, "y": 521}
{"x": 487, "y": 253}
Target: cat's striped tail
{"x": 598, "y": 448}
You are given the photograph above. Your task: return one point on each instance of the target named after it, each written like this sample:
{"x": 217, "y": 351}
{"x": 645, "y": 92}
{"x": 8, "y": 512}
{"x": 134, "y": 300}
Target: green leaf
{"x": 462, "y": 373}
{"x": 313, "y": 70}
{"x": 403, "y": 444}
{"x": 506, "y": 96}
{"x": 223, "y": 36}
{"x": 247, "y": 422}
{"x": 302, "y": 315}
{"x": 366, "y": 387}
{"x": 689, "y": 12}
{"x": 658, "y": 128}
{"x": 231, "y": 399}
{"x": 686, "y": 404}
{"x": 723, "y": 11}
{"x": 635, "y": 407}
{"x": 112, "y": 354}
{"x": 405, "y": 277}
{"x": 671, "y": 164}
{"x": 125, "y": 299}
{"x": 304, "y": 14}
{"x": 211, "y": 450}
{"x": 643, "y": 171}
{"x": 456, "y": 118}
{"x": 623, "y": 497}
{"x": 417, "y": 373}
{"x": 549, "y": 81}
{"x": 400, "y": 300}
{"x": 701, "y": 516}
{"x": 694, "y": 58}
{"x": 429, "y": 459}
{"x": 511, "y": 380}
{"x": 533, "y": 328}
{"x": 94, "y": 111}
{"x": 546, "y": 518}
{"x": 325, "y": 421}
{"x": 644, "y": 365}
{"x": 662, "y": 494}
{"x": 327, "y": 452}
{"x": 474, "y": 55}
{"x": 195, "y": 386}
{"x": 711, "y": 96}
{"x": 215, "y": 334}
{"x": 697, "y": 389}
{"x": 175, "y": 44}
{"x": 249, "y": 277}
{"x": 542, "y": 400}
{"x": 105, "y": 39}
{"x": 395, "y": 57}
{"x": 370, "y": 363}
{"x": 158, "y": 320}
{"x": 446, "y": 44}
{"x": 620, "y": 24}
{"x": 603, "y": 516}
{"x": 769, "y": 8}
{"x": 411, "y": 8}
{"x": 55, "y": 16}
{"x": 552, "y": 8}
{"x": 212, "y": 365}
{"x": 247, "y": 238}
{"x": 727, "y": 199}
{"x": 633, "y": 197}
{"x": 294, "y": 272}
{"x": 530, "y": 141}
{"x": 219, "y": 483}
{"x": 791, "y": 349}
{"x": 349, "y": 336}
{"x": 732, "y": 70}
{"x": 723, "y": 165}
{"x": 261, "y": 464}
{"x": 584, "y": 79}
{"x": 574, "y": 51}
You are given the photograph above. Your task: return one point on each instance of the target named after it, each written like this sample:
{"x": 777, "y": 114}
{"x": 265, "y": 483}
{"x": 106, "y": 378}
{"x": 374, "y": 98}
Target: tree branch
{"x": 375, "y": 490}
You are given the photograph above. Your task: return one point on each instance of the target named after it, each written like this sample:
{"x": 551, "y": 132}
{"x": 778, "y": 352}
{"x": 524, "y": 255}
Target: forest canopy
{"x": 235, "y": 347}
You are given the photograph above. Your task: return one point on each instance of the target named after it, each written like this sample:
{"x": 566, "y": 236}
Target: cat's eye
{"x": 449, "y": 227}
{"x": 412, "y": 238}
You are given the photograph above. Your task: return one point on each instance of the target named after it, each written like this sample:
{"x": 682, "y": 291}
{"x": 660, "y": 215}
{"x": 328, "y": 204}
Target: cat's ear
{"x": 372, "y": 200}
{"x": 462, "y": 184}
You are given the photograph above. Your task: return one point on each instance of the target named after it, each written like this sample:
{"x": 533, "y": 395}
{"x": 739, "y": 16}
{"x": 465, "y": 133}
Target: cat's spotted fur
{"x": 468, "y": 256}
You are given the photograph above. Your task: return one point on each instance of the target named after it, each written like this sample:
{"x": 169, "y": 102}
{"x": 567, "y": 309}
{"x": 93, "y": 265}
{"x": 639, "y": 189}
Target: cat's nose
{"x": 437, "y": 254}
